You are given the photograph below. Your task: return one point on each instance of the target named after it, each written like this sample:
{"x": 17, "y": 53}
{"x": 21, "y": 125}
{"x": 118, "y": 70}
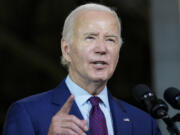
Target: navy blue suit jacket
{"x": 32, "y": 115}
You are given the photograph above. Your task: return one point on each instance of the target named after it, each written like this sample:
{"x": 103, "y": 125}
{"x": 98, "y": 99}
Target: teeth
{"x": 99, "y": 63}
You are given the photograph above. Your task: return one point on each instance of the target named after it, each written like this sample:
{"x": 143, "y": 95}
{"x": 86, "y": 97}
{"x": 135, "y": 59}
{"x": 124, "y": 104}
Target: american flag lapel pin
{"x": 126, "y": 119}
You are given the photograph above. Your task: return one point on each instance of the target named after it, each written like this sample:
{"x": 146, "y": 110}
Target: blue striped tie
{"x": 97, "y": 120}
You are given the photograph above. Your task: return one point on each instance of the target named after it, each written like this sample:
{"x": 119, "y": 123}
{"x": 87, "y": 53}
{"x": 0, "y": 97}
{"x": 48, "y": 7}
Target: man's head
{"x": 67, "y": 32}
{"x": 91, "y": 42}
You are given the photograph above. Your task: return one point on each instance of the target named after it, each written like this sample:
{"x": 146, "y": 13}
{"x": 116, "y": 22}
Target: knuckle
{"x": 68, "y": 132}
{"x": 71, "y": 125}
{"x": 73, "y": 118}
{"x": 56, "y": 118}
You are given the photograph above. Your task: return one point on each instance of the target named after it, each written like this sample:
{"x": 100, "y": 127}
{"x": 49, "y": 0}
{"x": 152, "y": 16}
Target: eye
{"x": 90, "y": 37}
{"x": 111, "y": 40}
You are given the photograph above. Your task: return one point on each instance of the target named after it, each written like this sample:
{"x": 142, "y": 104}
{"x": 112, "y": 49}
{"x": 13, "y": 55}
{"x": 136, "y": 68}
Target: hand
{"x": 64, "y": 124}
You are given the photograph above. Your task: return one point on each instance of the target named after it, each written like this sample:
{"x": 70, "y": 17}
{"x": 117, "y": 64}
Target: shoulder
{"x": 133, "y": 111}
{"x": 142, "y": 121}
{"x": 41, "y": 102}
{"x": 37, "y": 98}
{"x": 35, "y": 102}
{"x": 139, "y": 116}
{"x": 42, "y": 99}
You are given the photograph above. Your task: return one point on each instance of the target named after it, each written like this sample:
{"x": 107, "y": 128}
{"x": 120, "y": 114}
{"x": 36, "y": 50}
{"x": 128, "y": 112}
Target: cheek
{"x": 115, "y": 55}
{"x": 75, "y": 51}
{"x": 80, "y": 55}
{"x": 85, "y": 51}
{"x": 74, "y": 56}
{"x": 115, "y": 61}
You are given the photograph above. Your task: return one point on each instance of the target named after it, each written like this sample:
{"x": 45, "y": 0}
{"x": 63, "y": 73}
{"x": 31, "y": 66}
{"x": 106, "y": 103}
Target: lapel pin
{"x": 126, "y": 119}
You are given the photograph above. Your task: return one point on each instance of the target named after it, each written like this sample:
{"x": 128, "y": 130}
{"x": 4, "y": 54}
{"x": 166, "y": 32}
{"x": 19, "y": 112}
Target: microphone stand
{"x": 171, "y": 126}
{"x": 176, "y": 118}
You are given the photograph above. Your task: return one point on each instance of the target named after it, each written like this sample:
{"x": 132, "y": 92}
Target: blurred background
{"x": 30, "y": 33}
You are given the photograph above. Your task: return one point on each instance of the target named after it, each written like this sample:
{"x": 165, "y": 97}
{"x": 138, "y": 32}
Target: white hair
{"x": 67, "y": 32}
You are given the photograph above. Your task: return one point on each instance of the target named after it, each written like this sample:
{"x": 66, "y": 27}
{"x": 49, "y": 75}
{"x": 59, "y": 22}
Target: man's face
{"x": 94, "y": 52}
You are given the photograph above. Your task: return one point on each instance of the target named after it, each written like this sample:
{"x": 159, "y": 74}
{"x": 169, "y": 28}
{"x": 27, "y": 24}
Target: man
{"x": 81, "y": 104}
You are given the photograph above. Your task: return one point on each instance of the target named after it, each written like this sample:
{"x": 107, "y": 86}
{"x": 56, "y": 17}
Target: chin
{"x": 99, "y": 78}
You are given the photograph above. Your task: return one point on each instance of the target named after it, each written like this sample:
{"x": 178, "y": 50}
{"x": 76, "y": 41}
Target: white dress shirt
{"x": 81, "y": 99}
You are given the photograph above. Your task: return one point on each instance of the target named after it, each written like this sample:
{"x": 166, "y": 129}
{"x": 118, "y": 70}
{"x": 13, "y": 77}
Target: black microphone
{"x": 156, "y": 107}
{"x": 172, "y": 96}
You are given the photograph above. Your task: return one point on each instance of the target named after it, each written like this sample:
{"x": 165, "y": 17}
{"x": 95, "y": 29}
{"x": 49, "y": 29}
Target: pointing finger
{"x": 67, "y": 106}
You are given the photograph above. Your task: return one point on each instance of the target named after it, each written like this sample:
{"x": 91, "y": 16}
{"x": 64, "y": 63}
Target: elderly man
{"x": 81, "y": 104}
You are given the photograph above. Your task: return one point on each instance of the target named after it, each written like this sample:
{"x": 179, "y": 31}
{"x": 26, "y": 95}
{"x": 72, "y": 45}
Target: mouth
{"x": 99, "y": 63}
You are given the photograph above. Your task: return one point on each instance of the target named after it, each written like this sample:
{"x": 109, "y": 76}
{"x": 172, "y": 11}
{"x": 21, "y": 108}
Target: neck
{"x": 92, "y": 87}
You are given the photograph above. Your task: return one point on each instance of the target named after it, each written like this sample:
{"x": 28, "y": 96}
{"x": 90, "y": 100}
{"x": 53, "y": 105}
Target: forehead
{"x": 95, "y": 17}
{"x": 94, "y": 14}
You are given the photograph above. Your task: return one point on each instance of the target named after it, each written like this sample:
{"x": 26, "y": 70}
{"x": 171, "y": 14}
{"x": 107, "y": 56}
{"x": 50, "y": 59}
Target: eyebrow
{"x": 114, "y": 36}
{"x": 96, "y": 34}
{"x": 91, "y": 34}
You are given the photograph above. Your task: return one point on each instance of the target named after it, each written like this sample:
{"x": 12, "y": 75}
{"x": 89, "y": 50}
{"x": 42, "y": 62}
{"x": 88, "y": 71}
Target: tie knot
{"x": 94, "y": 101}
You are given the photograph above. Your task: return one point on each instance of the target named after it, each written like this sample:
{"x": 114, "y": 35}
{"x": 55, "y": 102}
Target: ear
{"x": 65, "y": 48}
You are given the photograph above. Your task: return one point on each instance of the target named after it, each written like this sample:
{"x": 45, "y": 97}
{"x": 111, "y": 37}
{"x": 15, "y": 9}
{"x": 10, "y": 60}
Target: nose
{"x": 101, "y": 48}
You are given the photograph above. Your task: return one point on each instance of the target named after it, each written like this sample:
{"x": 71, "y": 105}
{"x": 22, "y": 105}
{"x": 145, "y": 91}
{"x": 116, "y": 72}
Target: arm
{"x": 18, "y": 121}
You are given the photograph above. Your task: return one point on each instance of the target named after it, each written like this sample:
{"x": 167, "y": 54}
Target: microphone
{"x": 172, "y": 96}
{"x": 156, "y": 107}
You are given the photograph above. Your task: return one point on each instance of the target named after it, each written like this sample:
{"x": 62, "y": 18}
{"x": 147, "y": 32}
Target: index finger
{"x": 67, "y": 105}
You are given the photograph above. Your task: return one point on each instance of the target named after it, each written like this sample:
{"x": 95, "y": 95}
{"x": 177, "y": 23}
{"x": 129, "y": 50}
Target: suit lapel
{"x": 60, "y": 95}
{"x": 121, "y": 121}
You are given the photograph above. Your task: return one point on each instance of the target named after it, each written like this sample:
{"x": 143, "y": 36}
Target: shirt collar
{"x": 82, "y": 95}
